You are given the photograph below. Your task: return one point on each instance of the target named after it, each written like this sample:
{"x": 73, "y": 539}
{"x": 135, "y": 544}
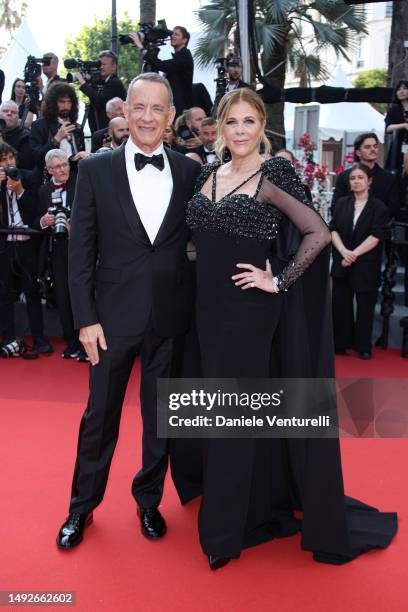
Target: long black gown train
{"x": 251, "y": 488}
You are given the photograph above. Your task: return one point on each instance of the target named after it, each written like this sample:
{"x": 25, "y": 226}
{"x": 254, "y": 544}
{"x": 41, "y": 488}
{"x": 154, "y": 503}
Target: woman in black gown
{"x": 251, "y": 323}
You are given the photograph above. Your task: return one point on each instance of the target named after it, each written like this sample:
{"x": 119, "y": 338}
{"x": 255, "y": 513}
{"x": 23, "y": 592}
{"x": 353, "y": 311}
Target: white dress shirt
{"x": 14, "y": 217}
{"x": 151, "y": 188}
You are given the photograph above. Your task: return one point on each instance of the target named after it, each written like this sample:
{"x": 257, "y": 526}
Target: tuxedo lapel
{"x": 171, "y": 218}
{"x": 127, "y": 204}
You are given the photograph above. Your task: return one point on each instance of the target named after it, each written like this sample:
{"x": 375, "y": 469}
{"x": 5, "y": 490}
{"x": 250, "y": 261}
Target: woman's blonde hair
{"x": 243, "y": 94}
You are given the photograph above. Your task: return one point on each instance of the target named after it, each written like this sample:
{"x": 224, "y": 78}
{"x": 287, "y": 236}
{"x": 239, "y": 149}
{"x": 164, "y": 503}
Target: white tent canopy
{"x": 337, "y": 120}
{"x": 23, "y": 44}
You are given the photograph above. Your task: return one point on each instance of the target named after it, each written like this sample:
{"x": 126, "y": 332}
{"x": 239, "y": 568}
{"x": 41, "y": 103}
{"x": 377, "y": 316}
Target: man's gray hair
{"x": 2, "y": 105}
{"x": 153, "y": 77}
{"x": 51, "y": 56}
{"x": 55, "y": 154}
{"x": 111, "y": 102}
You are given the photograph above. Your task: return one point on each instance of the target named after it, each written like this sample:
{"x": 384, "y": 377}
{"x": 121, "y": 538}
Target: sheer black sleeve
{"x": 281, "y": 187}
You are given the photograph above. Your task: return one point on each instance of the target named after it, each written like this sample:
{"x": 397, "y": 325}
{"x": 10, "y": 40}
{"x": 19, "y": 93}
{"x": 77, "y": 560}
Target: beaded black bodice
{"x": 278, "y": 193}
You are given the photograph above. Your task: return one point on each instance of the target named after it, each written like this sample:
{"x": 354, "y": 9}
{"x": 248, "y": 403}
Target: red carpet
{"x": 116, "y": 569}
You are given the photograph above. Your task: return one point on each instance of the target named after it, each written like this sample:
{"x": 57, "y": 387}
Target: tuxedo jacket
{"x": 44, "y": 200}
{"x": 384, "y": 187}
{"x": 179, "y": 72}
{"x": 112, "y": 88}
{"x": 27, "y": 204}
{"x": 42, "y": 133}
{"x": 365, "y": 273}
{"x": 117, "y": 277}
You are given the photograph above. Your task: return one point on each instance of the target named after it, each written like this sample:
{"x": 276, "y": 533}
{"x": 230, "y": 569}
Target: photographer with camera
{"x": 50, "y": 70}
{"x": 178, "y": 71}
{"x": 110, "y": 87}
{"x": 205, "y": 154}
{"x": 57, "y": 128}
{"x": 114, "y": 108}
{"x": 53, "y": 211}
{"x": 188, "y": 127}
{"x": 15, "y": 135}
{"x": 18, "y": 252}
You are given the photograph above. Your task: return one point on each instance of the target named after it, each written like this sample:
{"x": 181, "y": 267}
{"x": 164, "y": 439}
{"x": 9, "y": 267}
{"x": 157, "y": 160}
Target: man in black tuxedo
{"x": 384, "y": 185}
{"x": 131, "y": 293}
{"x": 60, "y": 188}
{"x": 112, "y": 88}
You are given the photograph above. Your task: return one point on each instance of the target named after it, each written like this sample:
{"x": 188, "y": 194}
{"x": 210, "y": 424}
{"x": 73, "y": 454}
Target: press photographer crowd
{"x": 42, "y": 143}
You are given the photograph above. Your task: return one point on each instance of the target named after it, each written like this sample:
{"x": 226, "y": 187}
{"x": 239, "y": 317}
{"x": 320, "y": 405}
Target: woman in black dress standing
{"x": 263, "y": 310}
{"x": 359, "y": 226}
{"x": 396, "y": 121}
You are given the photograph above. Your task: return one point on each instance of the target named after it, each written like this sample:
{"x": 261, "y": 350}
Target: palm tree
{"x": 147, "y": 11}
{"x": 286, "y": 33}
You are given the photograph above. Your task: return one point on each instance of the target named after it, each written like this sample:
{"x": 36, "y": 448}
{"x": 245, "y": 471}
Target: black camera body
{"x": 184, "y": 132}
{"x": 222, "y": 79}
{"x": 152, "y": 36}
{"x": 90, "y": 70}
{"x": 12, "y": 172}
{"x": 33, "y": 70}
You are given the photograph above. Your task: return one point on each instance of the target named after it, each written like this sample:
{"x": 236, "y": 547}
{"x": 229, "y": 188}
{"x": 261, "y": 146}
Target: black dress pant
{"x": 352, "y": 331}
{"x": 18, "y": 272}
{"x": 99, "y": 427}
{"x": 62, "y": 297}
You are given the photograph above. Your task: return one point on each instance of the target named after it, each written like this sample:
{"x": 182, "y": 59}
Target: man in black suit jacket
{"x": 384, "y": 185}
{"x": 19, "y": 253}
{"x": 178, "y": 70}
{"x": 114, "y": 108}
{"x": 17, "y": 136}
{"x": 131, "y": 293}
{"x": 57, "y": 128}
{"x": 112, "y": 88}
{"x": 62, "y": 187}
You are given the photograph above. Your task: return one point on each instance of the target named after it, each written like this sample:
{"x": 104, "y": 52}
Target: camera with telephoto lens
{"x": 222, "y": 79}
{"x": 152, "y": 36}
{"x": 12, "y": 172}
{"x": 14, "y": 348}
{"x": 90, "y": 70}
{"x": 32, "y": 71}
{"x": 61, "y": 213}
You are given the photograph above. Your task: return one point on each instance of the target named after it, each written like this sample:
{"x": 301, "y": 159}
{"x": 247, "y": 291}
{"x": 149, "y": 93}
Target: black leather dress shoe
{"x": 42, "y": 346}
{"x": 217, "y": 562}
{"x": 72, "y": 531}
{"x": 152, "y": 523}
{"x": 365, "y": 355}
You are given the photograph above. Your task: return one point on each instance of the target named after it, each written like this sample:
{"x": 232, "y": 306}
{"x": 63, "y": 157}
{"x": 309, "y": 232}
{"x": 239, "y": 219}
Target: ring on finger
{"x": 253, "y": 284}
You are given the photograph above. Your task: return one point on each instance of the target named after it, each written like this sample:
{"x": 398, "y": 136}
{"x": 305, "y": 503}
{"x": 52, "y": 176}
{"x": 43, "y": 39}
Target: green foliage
{"x": 97, "y": 37}
{"x": 297, "y": 30}
{"x": 373, "y": 78}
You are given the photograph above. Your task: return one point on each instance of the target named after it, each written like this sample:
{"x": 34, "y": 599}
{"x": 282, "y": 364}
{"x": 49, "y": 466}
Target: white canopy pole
{"x": 244, "y": 40}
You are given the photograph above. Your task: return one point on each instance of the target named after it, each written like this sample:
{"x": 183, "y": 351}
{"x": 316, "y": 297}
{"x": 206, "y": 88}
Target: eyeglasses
{"x": 59, "y": 166}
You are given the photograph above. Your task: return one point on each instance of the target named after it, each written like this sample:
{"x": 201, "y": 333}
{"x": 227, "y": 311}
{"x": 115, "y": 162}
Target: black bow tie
{"x": 156, "y": 160}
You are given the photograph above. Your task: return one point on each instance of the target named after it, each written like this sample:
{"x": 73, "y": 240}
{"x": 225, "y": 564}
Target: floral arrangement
{"x": 313, "y": 174}
{"x": 347, "y": 162}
